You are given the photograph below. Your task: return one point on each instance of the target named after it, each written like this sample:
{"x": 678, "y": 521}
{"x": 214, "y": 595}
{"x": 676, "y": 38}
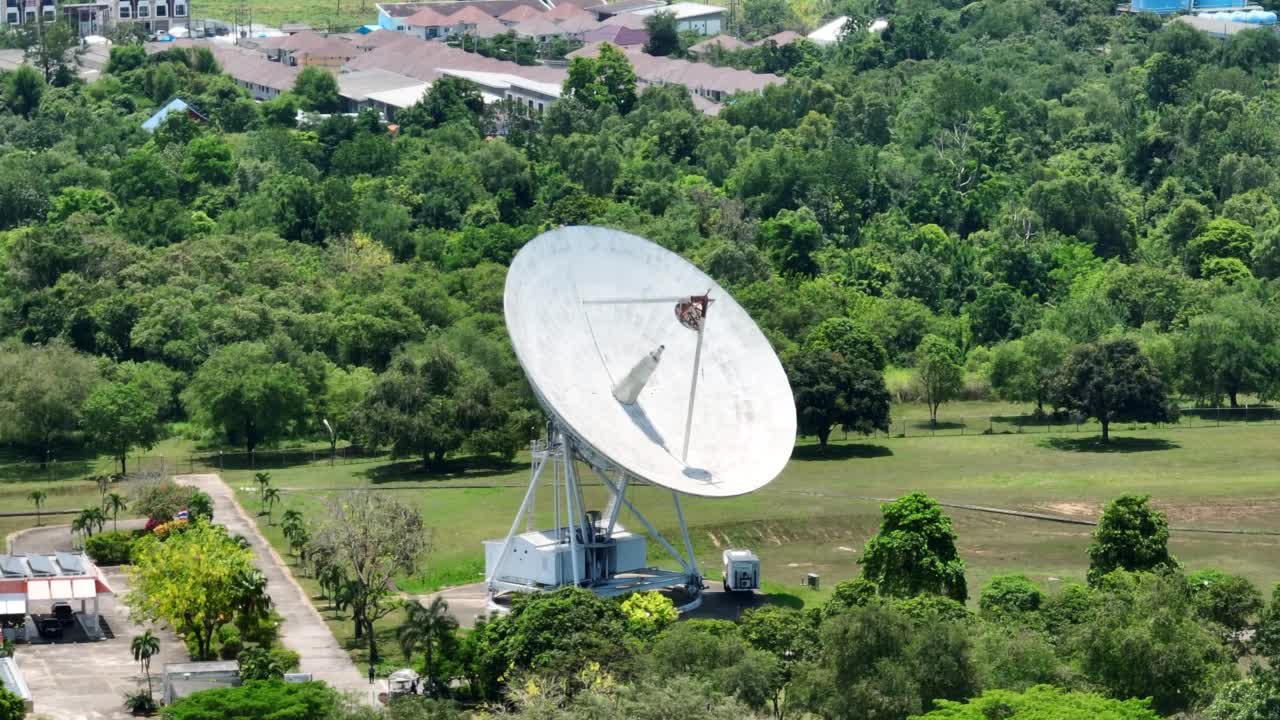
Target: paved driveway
{"x": 303, "y": 631}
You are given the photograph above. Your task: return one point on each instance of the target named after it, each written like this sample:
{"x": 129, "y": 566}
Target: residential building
{"x": 309, "y": 48}
{"x": 519, "y": 14}
{"x": 539, "y": 29}
{"x": 691, "y": 16}
{"x": 565, "y": 10}
{"x": 724, "y": 42}
{"x": 782, "y": 39}
{"x": 358, "y": 88}
{"x": 619, "y": 35}
{"x": 605, "y": 11}
{"x": 392, "y": 16}
{"x": 713, "y": 83}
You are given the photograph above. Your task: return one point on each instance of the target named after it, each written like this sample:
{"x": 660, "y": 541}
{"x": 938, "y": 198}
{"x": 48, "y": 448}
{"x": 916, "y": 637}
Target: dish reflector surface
{"x": 571, "y": 311}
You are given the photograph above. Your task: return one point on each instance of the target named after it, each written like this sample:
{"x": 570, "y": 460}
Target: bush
{"x": 1042, "y": 701}
{"x": 288, "y": 660}
{"x": 11, "y": 707}
{"x": 110, "y": 548}
{"x": 1229, "y": 600}
{"x": 161, "y": 501}
{"x": 228, "y": 643}
{"x": 856, "y": 592}
{"x": 140, "y": 703}
{"x": 256, "y": 700}
{"x": 648, "y": 613}
{"x": 1010, "y": 595}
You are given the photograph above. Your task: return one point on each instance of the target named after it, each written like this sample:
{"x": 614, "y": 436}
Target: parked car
{"x": 49, "y": 627}
{"x": 64, "y": 613}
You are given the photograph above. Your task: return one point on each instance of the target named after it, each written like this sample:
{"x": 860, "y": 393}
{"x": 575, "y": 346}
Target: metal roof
{"x": 683, "y": 10}
{"x": 624, "y": 6}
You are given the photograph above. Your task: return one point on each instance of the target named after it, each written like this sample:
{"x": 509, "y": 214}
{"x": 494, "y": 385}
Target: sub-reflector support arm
{"x": 688, "y": 544}
{"x": 571, "y": 491}
{"x": 515, "y": 524}
{"x": 653, "y": 532}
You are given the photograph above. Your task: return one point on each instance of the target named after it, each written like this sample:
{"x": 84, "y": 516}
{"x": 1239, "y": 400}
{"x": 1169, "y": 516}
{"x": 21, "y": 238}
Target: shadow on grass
{"x": 1047, "y": 420}
{"x": 840, "y": 452}
{"x": 784, "y": 599}
{"x": 1116, "y": 444}
{"x": 454, "y": 469}
{"x": 940, "y": 425}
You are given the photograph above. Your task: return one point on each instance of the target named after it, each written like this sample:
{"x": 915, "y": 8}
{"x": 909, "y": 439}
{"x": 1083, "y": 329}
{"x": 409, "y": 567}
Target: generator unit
{"x": 544, "y": 559}
{"x": 741, "y": 571}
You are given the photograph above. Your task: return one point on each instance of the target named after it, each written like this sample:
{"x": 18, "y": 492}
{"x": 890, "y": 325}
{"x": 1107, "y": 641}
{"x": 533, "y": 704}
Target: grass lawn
{"x": 341, "y": 15}
{"x": 818, "y": 514}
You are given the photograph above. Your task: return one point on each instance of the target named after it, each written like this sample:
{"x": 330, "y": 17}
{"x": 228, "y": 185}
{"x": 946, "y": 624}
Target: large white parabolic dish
{"x": 574, "y": 345}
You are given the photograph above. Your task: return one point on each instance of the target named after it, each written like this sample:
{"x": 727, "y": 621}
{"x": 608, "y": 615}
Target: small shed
{"x": 183, "y": 679}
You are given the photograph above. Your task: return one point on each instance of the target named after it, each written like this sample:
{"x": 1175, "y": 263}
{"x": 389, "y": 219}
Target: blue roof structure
{"x": 175, "y": 105}
{"x": 366, "y": 29}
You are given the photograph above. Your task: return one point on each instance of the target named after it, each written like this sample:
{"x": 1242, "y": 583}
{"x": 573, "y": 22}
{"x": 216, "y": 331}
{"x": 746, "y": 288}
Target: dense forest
{"x": 945, "y": 208}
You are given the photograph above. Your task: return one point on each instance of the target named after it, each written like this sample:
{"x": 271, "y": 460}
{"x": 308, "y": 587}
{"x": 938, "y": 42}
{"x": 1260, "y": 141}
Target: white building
{"x": 702, "y": 19}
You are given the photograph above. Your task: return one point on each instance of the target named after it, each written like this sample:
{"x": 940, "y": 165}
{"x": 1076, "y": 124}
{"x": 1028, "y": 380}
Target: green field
{"x": 341, "y": 15}
{"x": 817, "y": 515}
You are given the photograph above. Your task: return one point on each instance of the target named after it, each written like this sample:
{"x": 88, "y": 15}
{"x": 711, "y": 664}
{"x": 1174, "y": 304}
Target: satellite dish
{"x": 649, "y": 372}
{"x": 594, "y": 312}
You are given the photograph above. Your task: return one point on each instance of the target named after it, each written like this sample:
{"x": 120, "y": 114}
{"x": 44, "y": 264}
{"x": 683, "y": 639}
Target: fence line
{"x": 1191, "y": 418}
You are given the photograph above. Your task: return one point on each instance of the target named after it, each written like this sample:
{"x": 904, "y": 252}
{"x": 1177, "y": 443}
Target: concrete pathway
{"x": 303, "y": 631}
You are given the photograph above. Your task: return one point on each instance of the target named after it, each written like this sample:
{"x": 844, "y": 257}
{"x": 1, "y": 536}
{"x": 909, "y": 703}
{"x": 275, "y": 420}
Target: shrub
{"x": 288, "y": 660}
{"x": 648, "y": 613}
{"x": 1042, "y": 701}
{"x": 1229, "y": 600}
{"x": 161, "y": 501}
{"x": 857, "y": 592}
{"x": 110, "y": 548}
{"x": 140, "y": 703}
{"x": 11, "y": 707}
{"x": 1010, "y": 595}
{"x": 227, "y": 642}
{"x": 257, "y": 699}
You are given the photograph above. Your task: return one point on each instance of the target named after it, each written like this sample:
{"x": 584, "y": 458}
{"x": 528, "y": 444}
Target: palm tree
{"x": 104, "y": 484}
{"x": 145, "y": 647}
{"x": 88, "y": 520}
{"x": 426, "y": 628}
{"x": 38, "y": 497}
{"x": 291, "y": 517}
{"x": 270, "y": 497}
{"x": 116, "y": 503}
{"x": 263, "y": 479}
{"x": 78, "y": 524}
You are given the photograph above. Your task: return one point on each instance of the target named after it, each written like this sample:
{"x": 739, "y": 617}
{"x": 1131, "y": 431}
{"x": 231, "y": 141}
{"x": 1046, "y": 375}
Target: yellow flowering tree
{"x": 648, "y": 613}
{"x": 195, "y": 581}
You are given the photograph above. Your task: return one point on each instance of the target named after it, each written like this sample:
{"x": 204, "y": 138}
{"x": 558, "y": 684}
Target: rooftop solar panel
{"x": 70, "y": 564}
{"x": 11, "y": 566}
{"x": 41, "y": 565}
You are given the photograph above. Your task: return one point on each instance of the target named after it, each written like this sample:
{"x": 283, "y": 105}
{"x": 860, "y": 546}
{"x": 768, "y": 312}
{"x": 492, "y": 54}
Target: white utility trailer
{"x": 741, "y": 571}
